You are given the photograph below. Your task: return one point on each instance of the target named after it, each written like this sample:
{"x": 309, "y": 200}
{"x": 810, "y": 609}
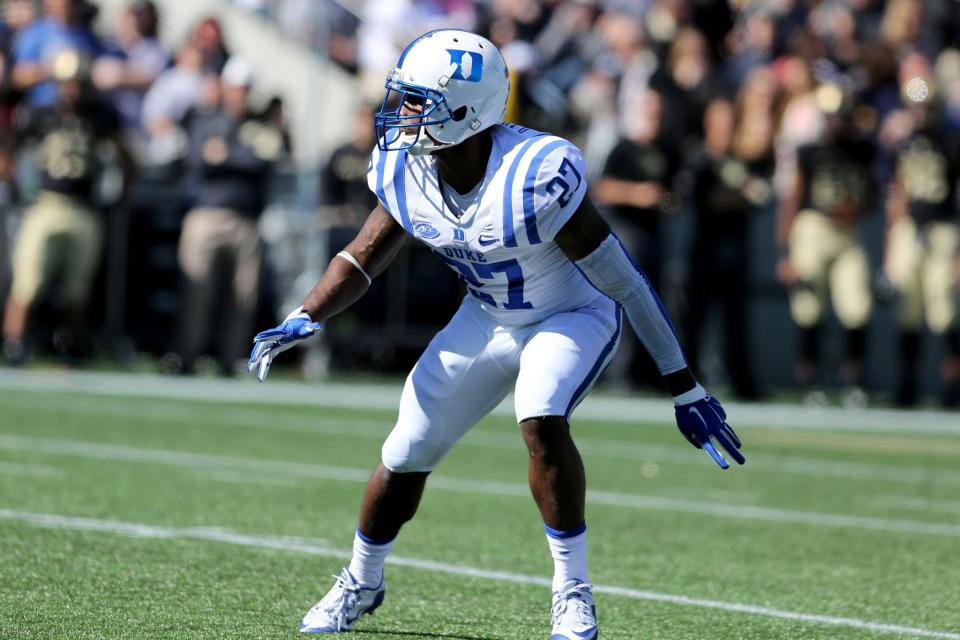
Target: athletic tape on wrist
{"x": 296, "y": 312}
{"x": 349, "y": 258}
{"x": 689, "y": 397}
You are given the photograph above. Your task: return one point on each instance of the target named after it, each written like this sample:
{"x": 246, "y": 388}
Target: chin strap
{"x": 425, "y": 145}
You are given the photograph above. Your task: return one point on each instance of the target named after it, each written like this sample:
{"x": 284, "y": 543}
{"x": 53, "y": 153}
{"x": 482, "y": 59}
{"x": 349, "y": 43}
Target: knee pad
{"x": 405, "y": 452}
{"x": 853, "y": 311}
{"x": 806, "y": 305}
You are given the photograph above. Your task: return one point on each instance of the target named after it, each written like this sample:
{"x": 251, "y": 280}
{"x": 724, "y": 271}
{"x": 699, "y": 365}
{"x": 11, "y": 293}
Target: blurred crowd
{"x": 84, "y": 116}
{"x": 826, "y": 114}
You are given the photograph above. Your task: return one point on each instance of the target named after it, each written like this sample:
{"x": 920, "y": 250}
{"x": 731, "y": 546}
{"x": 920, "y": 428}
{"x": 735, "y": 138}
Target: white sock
{"x": 366, "y": 566}
{"x": 569, "y": 551}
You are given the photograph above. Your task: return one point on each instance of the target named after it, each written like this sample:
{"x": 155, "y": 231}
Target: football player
{"x": 60, "y": 242}
{"x": 923, "y": 239}
{"x": 548, "y": 283}
{"x": 818, "y": 236}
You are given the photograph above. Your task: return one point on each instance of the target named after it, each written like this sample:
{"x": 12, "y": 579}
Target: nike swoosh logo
{"x": 697, "y": 413}
{"x": 486, "y": 242}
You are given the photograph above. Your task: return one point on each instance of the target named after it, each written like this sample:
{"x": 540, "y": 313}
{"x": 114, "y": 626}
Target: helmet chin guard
{"x": 448, "y": 85}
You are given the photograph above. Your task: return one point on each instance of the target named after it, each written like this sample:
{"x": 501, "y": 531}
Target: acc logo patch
{"x": 425, "y": 230}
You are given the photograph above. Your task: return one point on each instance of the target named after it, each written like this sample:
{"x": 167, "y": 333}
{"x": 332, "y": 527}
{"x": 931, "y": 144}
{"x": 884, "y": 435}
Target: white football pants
{"x": 470, "y": 366}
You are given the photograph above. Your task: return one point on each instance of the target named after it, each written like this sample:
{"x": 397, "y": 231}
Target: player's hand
{"x": 704, "y": 421}
{"x": 785, "y": 272}
{"x": 295, "y": 328}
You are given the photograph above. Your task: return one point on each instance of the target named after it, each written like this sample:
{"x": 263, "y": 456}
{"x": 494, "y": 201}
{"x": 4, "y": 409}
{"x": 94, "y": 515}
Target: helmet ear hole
{"x": 459, "y": 114}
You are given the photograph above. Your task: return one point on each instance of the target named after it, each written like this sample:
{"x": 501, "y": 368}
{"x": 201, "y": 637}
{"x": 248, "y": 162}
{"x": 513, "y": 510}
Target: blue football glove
{"x": 703, "y": 421}
{"x": 295, "y": 328}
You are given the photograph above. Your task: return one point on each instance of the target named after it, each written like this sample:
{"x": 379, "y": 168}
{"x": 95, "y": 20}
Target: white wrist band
{"x": 349, "y": 258}
{"x": 689, "y": 397}
{"x": 295, "y": 313}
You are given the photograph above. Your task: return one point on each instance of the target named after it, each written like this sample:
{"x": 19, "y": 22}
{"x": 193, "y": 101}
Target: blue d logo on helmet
{"x": 448, "y": 85}
{"x": 469, "y": 65}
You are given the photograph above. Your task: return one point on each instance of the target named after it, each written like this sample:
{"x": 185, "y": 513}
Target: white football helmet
{"x": 461, "y": 81}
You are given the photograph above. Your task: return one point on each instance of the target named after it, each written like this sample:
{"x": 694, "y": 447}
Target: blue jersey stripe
{"x": 509, "y": 237}
{"x": 400, "y": 190}
{"x": 597, "y": 366}
{"x": 529, "y": 183}
{"x": 381, "y": 165}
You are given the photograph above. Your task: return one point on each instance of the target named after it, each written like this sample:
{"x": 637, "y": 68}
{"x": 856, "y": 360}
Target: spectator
{"x": 522, "y": 61}
{"x": 342, "y": 36}
{"x": 923, "y": 244}
{"x": 725, "y": 189}
{"x": 835, "y": 25}
{"x": 63, "y": 27}
{"x": 61, "y": 236}
{"x": 948, "y": 79}
{"x": 630, "y": 62}
{"x": 753, "y": 47}
{"x": 207, "y": 38}
{"x": 818, "y": 230}
{"x": 637, "y": 190}
{"x": 133, "y": 62}
{"x": 17, "y": 15}
{"x": 686, "y": 85}
{"x": 801, "y": 119}
{"x": 231, "y": 155}
{"x": 387, "y": 22}
{"x": 902, "y": 27}
{"x": 753, "y": 140}
{"x": 636, "y": 185}
{"x": 346, "y": 202}
{"x": 664, "y": 19}
{"x": 174, "y": 93}
{"x": 565, "y": 48}
{"x": 345, "y": 192}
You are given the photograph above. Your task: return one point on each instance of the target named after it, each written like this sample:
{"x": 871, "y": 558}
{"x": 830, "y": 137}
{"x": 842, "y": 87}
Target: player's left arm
{"x": 587, "y": 240}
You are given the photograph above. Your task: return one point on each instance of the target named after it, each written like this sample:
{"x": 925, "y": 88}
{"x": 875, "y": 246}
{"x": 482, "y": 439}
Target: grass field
{"x": 152, "y": 508}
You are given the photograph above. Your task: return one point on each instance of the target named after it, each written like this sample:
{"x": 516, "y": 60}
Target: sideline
{"x": 387, "y": 396}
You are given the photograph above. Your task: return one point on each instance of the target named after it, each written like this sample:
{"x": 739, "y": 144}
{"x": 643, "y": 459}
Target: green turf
{"x": 298, "y": 471}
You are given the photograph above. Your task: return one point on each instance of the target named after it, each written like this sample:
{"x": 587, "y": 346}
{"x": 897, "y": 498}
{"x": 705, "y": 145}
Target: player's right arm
{"x": 344, "y": 282}
{"x": 347, "y": 278}
{"x": 587, "y": 240}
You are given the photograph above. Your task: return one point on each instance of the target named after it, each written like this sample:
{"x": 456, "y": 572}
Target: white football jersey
{"x": 501, "y": 240}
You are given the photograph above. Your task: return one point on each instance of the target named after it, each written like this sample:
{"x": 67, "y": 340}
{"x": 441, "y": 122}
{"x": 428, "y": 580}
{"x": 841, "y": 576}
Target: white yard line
{"x": 479, "y": 437}
{"x": 386, "y": 397}
{"x": 28, "y": 469}
{"x": 463, "y": 485}
{"x": 323, "y": 549}
{"x": 920, "y": 504}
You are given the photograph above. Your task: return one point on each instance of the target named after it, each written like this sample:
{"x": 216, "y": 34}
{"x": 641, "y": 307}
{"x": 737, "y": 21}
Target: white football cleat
{"x": 342, "y": 606}
{"x": 574, "y": 612}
